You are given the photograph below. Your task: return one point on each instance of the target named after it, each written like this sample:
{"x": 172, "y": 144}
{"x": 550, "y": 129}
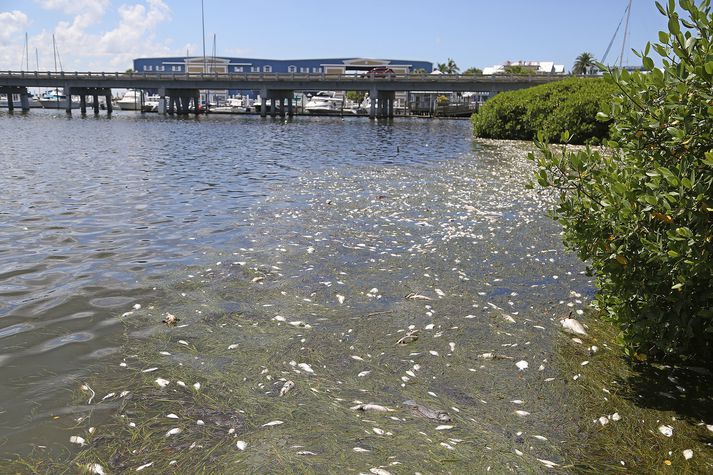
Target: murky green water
{"x": 287, "y": 252}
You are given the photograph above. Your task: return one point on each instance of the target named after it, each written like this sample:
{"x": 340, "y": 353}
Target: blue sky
{"x": 107, "y": 34}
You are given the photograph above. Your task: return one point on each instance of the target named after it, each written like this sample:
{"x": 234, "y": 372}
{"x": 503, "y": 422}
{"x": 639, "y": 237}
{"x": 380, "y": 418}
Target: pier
{"x": 177, "y": 91}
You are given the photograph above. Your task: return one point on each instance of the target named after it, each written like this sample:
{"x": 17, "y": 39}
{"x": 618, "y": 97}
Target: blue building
{"x": 223, "y": 65}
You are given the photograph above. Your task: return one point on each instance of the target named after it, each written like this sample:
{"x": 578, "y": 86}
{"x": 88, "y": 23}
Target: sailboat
{"x": 16, "y": 102}
{"x": 54, "y": 98}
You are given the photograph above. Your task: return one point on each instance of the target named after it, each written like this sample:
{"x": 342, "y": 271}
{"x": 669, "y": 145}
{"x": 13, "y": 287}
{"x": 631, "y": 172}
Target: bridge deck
{"x": 272, "y": 81}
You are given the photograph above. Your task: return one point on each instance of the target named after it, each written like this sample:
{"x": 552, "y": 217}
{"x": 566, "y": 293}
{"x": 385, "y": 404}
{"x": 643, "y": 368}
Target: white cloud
{"x": 80, "y": 45}
{"x": 12, "y": 23}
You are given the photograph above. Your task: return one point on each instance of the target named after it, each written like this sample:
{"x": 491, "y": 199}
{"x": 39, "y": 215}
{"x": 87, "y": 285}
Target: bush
{"x": 570, "y": 104}
{"x": 642, "y": 212}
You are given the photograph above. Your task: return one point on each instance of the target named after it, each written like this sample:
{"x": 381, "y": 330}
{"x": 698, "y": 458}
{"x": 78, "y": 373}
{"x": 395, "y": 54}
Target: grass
{"x": 646, "y": 396}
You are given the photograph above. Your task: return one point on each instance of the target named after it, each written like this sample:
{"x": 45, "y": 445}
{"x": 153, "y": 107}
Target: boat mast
{"x": 626, "y": 33}
{"x": 203, "y": 23}
{"x": 27, "y": 52}
{"x": 54, "y": 48}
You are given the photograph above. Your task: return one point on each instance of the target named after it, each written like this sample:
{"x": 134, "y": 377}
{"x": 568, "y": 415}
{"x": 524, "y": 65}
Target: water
{"x": 94, "y": 209}
{"x": 239, "y": 226}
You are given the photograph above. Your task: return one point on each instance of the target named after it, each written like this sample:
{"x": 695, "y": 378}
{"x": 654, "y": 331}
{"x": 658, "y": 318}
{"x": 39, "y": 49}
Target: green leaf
{"x": 602, "y": 117}
{"x": 684, "y": 232}
{"x": 663, "y": 37}
{"x": 661, "y": 8}
{"x": 709, "y": 67}
{"x": 648, "y": 63}
{"x": 673, "y": 254}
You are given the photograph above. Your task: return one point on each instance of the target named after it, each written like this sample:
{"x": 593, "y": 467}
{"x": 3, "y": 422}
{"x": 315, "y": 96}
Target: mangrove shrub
{"x": 571, "y": 104}
{"x": 641, "y": 211}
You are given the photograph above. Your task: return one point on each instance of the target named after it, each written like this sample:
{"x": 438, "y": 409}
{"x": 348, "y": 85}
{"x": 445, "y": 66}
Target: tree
{"x": 641, "y": 212}
{"x": 449, "y": 67}
{"x": 419, "y": 71}
{"x": 356, "y": 96}
{"x": 473, "y": 72}
{"x": 584, "y": 64}
{"x": 519, "y": 70}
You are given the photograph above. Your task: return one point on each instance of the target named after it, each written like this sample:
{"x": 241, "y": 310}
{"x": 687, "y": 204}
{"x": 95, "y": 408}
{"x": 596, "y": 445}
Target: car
{"x": 380, "y": 72}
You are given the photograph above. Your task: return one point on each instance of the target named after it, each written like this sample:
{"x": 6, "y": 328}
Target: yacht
{"x": 54, "y": 99}
{"x": 325, "y": 102}
{"x": 131, "y": 101}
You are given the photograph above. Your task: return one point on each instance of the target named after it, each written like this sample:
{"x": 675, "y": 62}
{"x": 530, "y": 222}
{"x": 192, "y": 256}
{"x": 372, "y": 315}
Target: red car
{"x": 380, "y": 72}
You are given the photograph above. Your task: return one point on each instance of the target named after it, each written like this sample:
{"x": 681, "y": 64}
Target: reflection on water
{"x": 96, "y": 211}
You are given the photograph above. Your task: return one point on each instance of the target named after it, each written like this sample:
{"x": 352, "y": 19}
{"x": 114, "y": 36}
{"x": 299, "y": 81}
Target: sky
{"x": 105, "y": 35}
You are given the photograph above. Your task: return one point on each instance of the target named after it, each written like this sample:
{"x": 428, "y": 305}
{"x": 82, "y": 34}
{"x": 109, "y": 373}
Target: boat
{"x": 325, "y": 102}
{"x": 131, "y": 101}
{"x": 17, "y": 103}
{"x": 233, "y": 104}
{"x": 54, "y": 99}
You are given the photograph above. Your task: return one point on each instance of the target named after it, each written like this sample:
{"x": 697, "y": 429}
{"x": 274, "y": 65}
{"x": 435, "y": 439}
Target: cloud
{"x": 81, "y": 47}
{"x": 12, "y": 23}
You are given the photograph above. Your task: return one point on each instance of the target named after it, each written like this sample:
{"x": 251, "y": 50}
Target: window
{"x": 160, "y": 68}
{"x": 267, "y": 68}
{"x": 176, "y": 68}
{"x": 291, "y": 69}
{"x": 316, "y": 70}
{"x": 304, "y": 70}
{"x": 238, "y": 69}
{"x": 254, "y": 69}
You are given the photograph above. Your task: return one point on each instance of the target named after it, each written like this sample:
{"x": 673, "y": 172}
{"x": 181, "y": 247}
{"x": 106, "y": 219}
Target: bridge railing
{"x": 262, "y": 76}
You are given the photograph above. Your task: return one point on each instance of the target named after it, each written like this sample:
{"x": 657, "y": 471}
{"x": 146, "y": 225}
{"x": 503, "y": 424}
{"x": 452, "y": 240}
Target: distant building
{"x": 536, "y": 67}
{"x": 224, "y": 65}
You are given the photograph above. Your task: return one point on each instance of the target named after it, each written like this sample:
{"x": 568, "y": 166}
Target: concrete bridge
{"x": 178, "y": 90}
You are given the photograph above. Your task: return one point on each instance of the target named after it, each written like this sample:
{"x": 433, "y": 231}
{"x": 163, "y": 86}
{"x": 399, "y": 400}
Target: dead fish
{"x": 286, "y": 387}
{"x": 414, "y": 296}
{"x": 170, "y": 320}
{"x": 409, "y": 337}
{"x": 427, "y": 412}
{"x": 371, "y": 407}
{"x": 572, "y": 325}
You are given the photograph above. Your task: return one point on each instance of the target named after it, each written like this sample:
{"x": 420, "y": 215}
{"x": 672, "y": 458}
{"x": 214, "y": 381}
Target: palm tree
{"x": 584, "y": 64}
{"x": 449, "y": 67}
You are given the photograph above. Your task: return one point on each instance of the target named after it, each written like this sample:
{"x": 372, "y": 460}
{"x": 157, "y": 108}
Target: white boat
{"x": 151, "y": 103}
{"x": 54, "y": 99}
{"x": 17, "y": 103}
{"x": 131, "y": 101}
{"x": 325, "y": 102}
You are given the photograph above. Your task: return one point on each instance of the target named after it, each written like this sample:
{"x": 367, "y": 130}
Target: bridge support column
{"x": 197, "y": 104}
{"x": 272, "y": 107}
{"x": 68, "y": 100}
{"x": 372, "y": 103}
{"x": 83, "y": 103}
{"x": 25, "y": 101}
{"x": 109, "y": 105}
{"x": 290, "y": 112}
{"x": 95, "y": 103}
{"x": 10, "y": 104}
{"x": 263, "y": 102}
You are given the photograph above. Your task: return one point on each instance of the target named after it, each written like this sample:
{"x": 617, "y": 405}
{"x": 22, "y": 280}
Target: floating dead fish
{"x": 286, "y": 387}
{"x": 359, "y": 449}
{"x": 414, "y": 296}
{"x": 688, "y": 454}
{"x": 363, "y": 373}
{"x": 174, "y": 431}
{"x": 379, "y": 471}
{"x": 522, "y": 365}
{"x": 241, "y": 444}
{"x": 548, "y": 463}
{"x": 340, "y": 298}
{"x": 305, "y": 452}
{"x": 378, "y": 431}
{"x": 171, "y": 320}
{"x": 75, "y": 439}
{"x": 444, "y": 427}
{"x": 162, "y": 382}
{"x": 522, "y": 413}
{"x": 572, "y": 325}
{"x": 666, "y": 430}
{"x": 371, "y": 407}
{"x": 147, "y": 465}
{"x": 423, "y": 411}
{"x": 272, "y": 424}
{"x": 305, "y": 367}
{"x": 258, "y": 279}
{"x": 95, "y": 469}
{"x": 300, "y": 324}
{"x": 409, "y": 337}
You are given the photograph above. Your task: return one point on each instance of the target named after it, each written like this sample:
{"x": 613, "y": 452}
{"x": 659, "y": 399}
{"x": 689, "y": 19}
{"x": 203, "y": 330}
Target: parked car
{"x": 380, "y": 72}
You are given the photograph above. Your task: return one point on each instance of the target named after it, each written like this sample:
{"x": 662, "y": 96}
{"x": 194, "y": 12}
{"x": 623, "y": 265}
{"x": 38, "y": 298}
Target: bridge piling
{"x": 83, "y": 103}
{"x": 10, "y": 104}
{"x": 109, "y": 105}
{"x": 95, "y": 103}
{"x": 25, "y": 101}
